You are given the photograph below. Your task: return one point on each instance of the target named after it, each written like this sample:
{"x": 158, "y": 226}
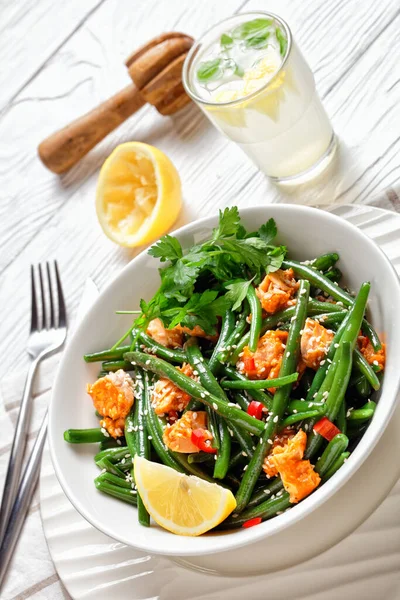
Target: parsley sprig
{"x": 200, "y": 284}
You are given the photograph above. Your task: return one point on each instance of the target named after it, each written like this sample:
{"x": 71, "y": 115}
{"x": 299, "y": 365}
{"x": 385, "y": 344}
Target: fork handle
{"x": 22, "y": 501}
{"x": 17, "y": 451}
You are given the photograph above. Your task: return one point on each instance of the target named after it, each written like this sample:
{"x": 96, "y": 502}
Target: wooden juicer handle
{"x": 156, "y": 72}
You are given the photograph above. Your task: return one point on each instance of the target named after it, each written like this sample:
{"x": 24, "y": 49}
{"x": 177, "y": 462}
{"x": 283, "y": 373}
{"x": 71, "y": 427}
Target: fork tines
{"x": 48, "y": 309}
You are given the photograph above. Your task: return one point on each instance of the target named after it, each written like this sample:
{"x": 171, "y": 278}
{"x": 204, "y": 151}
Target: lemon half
{"x": 138, "y": 194}
{"x": 183, "y": 504}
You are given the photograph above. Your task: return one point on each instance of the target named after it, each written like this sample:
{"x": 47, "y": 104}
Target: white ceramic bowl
{"x": 307, "y": 232}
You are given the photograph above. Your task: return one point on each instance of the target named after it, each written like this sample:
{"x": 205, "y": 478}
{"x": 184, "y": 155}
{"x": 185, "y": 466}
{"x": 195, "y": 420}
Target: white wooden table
{"x": 59, "y": 59}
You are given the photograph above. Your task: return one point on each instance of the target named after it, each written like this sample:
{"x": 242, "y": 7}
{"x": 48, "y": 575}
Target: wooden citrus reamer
{"x": 156, "y": 73}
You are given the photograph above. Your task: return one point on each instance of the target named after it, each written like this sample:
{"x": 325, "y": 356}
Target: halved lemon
{"x": 138, "y": 194}
{"x": 183, "y": 504}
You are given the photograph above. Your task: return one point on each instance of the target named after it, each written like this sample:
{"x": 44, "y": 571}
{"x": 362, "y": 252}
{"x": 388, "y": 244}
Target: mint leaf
{"x": 229, "y": 221}
{"x": 268, "y": 231}
{"x": 254, "y": 33}
{"x": 282, "y": 39}
{"x": 167, "y": 248}
{"x": 258, "y": 41}
{"x": 209, "y": 70}
{"x": 237, "y": 293}
{"x": 226, "y": 41}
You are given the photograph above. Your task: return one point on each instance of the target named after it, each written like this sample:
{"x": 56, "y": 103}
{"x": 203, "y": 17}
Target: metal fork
{"x": 47, "y": 335}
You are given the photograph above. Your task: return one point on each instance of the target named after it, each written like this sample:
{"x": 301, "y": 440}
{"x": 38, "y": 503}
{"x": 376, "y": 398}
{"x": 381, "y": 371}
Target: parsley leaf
{"x": 268, "y": 231}
{"x": 237, "y": 293}
{"x": 229, "y": 221}
{"x": 202, "y": 309}
{"x": 167, "y": 248}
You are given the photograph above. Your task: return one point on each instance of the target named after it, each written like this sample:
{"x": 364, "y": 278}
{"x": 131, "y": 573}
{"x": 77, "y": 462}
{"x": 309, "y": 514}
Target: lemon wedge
{"x": 138, "y": 194}
{"x": 183, "y": 504}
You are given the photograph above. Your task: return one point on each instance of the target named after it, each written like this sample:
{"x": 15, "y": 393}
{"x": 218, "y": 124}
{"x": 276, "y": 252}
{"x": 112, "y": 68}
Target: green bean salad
{"x": 246, "y": 369}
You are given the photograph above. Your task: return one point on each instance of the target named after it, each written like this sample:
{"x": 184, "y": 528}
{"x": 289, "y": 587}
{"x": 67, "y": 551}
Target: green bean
{"x": 365, "y": 368}
{"x": 302, "y": 406}
{"x": 272, "y": 488}
{"x": 85, "y": 436}
{"x": 295, "y": 418}
{"x": 142, "y": 440}
{"x": 105, "y": 463}
{"x": 125, "y": 465}
{"x": 365, "y": 413}
{"x": 334, "y": 274}
{"x": 172, "y": 355}
{"x": 261, "y": 396}
{"x": 228, "y": 323}
{"x": 129, "y": 496}
{"x": 106, "y": 354}
{"x": 241, "y": 400}
{"x": 131, "y": 427}
{"x": 164, "y": 369}
{"x": 281, "y": 397}
{"x": 194, "y": 405}
{"x": 356, "y": 429}
{"x": 113, "y": 454}
{"x": 101, "y": 374}
{"x": 244, "y": 439}
{"x": 116, "y": 365}
{"x": 325, "y": 261}
{"x": 191, "y": 468}
{"x": 259, "y": 384}
{"x": 210, "y": 384}
{"x": 334, "y": 449}
{"x": 109, "y": 443}
{"x": 236, "y": 460}
{"x": 336, "y": 394}
{"x": 341, "y": 418}
{"x": 233, "y": 339}
{"x": 200, "y": 457}
{"x": 323, "y": 368}
{"x": 337, "y": 294}
{"x": 336, "y": 466}
{"x": 256, "y": 318}
{"x": 331, "y": 319}
{"x": 362, "y": 386}
{"x": 114, "y": 480}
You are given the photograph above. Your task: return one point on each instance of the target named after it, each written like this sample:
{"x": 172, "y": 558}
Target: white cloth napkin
{"x": 32, "y": 573}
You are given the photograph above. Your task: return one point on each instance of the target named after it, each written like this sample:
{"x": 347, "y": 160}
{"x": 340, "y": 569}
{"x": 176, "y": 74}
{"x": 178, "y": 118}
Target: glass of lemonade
{"x": 252, "y": 82}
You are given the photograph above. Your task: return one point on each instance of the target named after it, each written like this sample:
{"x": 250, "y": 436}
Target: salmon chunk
{"x": 174, "y": 338}
{"x": 170, "y": 338}
{"x": 178, "y": 437}
{"x": 113, "y": 398}
{"x": 166, "y": 396}
{"x": 376, "y": 359}
{"x": 276, "y": 290}
{"x": 315, "y": 342}
{"x": 298, "y": 475}
{"x": 265, "y": 362}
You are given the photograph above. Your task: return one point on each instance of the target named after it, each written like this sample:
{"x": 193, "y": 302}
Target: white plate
{"x": 92, "y": 565}
{"x": 311, "y": 232}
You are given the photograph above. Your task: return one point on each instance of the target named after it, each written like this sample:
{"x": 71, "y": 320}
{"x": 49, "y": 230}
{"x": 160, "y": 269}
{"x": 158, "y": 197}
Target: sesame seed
{"x": 287, "y": 354}
{"x": 103, "y": 471}
{"x": 147, "y": 362}
{"x": 336, "y": 345}
{"x": 215, "y": 406}
{"x": 149, "y": 437}
{"x": 244, "y": 453}
{"x": 202, "y": 395}
{"x": 267, "y": 491}
{"x": 339, "y": 303}
{"x": 261, "y": 441}
{"x": 276, "y": 419}
{"x": 269, "y": 441}
{"x": 322, "y": 362}
{"x": 119, "y": 443}
{"x": 295, "y": 411}
{"x": 375, "y": 362}
{"x": 306, "y": 427}
{"x": 245, "y": 467}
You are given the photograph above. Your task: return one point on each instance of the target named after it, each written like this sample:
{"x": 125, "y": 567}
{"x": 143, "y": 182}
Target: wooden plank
{"x": 44, "y": 216}
{"x": 30, "y": 33}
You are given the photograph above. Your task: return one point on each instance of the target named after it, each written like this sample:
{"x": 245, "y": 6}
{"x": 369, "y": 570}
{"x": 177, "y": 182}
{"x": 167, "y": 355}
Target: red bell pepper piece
{"x": 252, "y": 522}
{"x": 255, "y": 409}
{"x": 200, "y": 438}
{"x": 249, "y": 364}
{"x": 326, "y": 428}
